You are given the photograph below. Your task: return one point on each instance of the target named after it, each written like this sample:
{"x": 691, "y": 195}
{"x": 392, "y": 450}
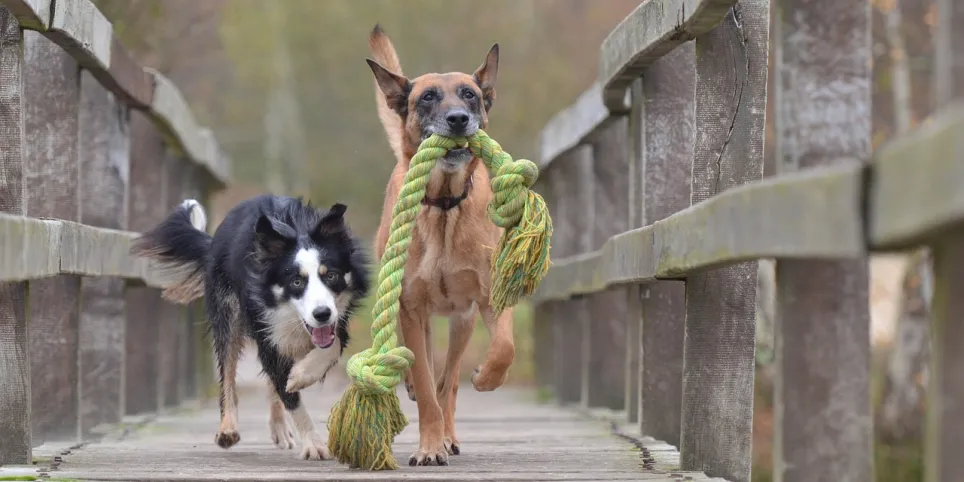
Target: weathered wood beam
{"x": 81, "y": 29}
{"x": 813, "y": 214}
{"x": 572, "y": 126}
{"x": 651, "y": 31}
{"x": 911, "y": 202}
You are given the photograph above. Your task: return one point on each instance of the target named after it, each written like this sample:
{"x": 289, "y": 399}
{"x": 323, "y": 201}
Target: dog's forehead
{"x": 446, "y": 82}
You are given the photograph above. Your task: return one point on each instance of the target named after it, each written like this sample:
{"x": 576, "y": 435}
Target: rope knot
{"x": 379, "y": 373}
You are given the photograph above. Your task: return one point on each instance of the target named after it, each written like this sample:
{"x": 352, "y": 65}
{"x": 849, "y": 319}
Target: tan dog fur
{"x": 448, "y": 269}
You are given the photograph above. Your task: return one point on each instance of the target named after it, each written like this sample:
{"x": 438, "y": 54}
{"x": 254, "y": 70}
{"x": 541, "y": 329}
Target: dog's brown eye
{"x": 428, "y": 96}
{"x": 331, "y": 276}
{"x": 296, "y": 283}
{"x": 468, "y": 95}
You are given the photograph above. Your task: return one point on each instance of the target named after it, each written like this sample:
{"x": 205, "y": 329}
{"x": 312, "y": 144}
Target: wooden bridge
{"x": 645, "y": 324}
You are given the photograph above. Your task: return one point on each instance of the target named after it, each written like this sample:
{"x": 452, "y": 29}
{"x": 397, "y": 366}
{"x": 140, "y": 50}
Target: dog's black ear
{"x": 487, "y": 74}
{"x": 332, "y": 222}
{"x": 395, "y": 87}
{"x": 272, "y": 237}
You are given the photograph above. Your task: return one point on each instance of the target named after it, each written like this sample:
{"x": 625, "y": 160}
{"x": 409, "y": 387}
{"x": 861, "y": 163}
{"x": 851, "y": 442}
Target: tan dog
{"x": 449, "y": 259}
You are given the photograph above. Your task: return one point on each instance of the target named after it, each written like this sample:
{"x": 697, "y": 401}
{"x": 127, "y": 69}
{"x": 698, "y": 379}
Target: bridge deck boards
{"x": 505, "y": 435}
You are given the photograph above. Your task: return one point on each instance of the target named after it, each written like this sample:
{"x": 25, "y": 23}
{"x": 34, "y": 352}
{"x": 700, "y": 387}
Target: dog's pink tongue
{"x": 323, "y": 336}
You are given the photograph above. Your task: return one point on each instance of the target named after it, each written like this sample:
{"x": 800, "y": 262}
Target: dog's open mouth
{"x": 322, "y": 337}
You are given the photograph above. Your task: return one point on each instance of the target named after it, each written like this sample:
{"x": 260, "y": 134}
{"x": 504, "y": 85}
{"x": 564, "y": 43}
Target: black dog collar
{"x": 448, "y": 202}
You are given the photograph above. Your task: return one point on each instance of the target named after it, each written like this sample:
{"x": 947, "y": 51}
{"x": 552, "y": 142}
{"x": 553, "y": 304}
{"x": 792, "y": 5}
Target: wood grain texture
{"x": 718, "y": 353}
{"x": 634, "y": 313}
{"x": 15, "y": 445}
{"x": 669, "y": 88}
{"x": 51, "y": 171}
{"x": 572, "y": 233}
{"x": 171, "y": 111}
{"x": 911, "y": 203}
{"x": 145, "y": 309}
{"x": 652, "y": 30}
{"x": 83, "y": 31}
{"x": 570, "y": 127}
{"x": 605, "y": 384}
{"x": 812, "y": 214}
{"x": 822, "y": 339}
{"x": 32, "y": 14}
{"x": 105, "y": 168}
{"x": 944, "y": 431}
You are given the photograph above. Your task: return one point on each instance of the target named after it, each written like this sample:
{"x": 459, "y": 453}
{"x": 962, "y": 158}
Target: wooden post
{"x": 718, "y": 362}
{"x": 171, "y": 322}
{"x": 542, "y": 313}
{"x": 144, "y": 305}
{"x": 15, "y": 444}
{"x": 187, "y": 356}
{"x": 945, "y": 397}
{"x": 606, "y": 326}
{"x": 572, "y": 175}
{"x": 636, "y": 130}
{"x": 105, "y": 167}
{"x": 669, "y": 88}
{"x": 823, "y": 425}
{"x": 51, "y": 87}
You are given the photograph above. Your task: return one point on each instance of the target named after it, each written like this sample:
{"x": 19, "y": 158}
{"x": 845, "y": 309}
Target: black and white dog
{"x": 280, "y": 272}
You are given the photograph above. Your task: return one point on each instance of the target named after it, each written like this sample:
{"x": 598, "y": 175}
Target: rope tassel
{"x": 363, "y": 424}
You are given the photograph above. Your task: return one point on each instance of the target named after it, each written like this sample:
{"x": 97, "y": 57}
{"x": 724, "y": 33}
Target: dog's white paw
{"x": 299, "y": 380}
{"x": 314, "y": 449}
{"x": 281, "y": 434}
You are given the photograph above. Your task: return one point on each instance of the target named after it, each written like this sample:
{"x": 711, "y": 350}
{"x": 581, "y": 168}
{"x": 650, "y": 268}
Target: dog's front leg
{"x": 498, "y": 359}
{"x": 313, "y": 368}
{"x": 460, "y": 332}
{"x": 431, "y": 443}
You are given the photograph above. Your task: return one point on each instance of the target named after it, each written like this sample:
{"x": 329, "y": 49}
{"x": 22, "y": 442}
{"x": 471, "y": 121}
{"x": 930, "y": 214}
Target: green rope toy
{"x": 363, "y": 424}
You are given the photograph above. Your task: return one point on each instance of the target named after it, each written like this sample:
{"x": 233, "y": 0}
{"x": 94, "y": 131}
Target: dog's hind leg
{"x": 493, "y": 372}
{"x": 278, "y": 368}
{"x": 461, "y": 327}
{"x": 228, "y": 342}
{"x": 278, "y": 427}
{"x": 431, "y": 427}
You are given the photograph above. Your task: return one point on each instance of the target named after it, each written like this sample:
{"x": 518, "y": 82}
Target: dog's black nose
{"x": 322, "y": 314}
{"x": 457, "y": 119}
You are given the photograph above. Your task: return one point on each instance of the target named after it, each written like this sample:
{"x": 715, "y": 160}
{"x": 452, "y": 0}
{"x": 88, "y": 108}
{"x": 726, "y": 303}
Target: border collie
{"x": 277, "y": 271}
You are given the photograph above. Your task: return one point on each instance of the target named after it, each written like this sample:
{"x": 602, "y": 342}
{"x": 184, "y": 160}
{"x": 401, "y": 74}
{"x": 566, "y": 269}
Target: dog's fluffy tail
{"x": 182, "y": 247}
{"x": 384, "y": 53}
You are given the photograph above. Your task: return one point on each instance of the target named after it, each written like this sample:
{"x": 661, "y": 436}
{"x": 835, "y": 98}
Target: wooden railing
{"x": 654, "y": 181}
{"x": 93, "y": 148}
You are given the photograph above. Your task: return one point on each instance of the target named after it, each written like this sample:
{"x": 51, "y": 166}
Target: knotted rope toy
{"x": 363, "y": 424}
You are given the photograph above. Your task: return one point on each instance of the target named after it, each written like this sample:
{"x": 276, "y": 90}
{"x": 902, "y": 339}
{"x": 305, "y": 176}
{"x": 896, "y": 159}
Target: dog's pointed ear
{"x": 396, "y": 88}
{"x": 487, "y": 75}
{"x": 272, "y": 237}
{"x": 332, "y": 222}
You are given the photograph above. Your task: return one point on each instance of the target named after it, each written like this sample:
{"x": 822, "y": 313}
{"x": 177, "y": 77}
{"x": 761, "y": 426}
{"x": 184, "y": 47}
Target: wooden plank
{"x": 813, "y": 214}
{"x": 148, "y": 184}
{"x": 634, "y": 312}
{"x": 51, "y": 171}
{"x": 718, "y": 361}
{"x": 569, "y": 128}
{"x": 84, "y": 32}
{"x": 171, "y": 111}
{"x": 105, "y": 167}
{"x": 571, "y": 234}
{"x": 912, "y": 202}
{"x": 822, "y": 367}
{"x": 653, "y": 29}
{"x": 15, "y": 445}
{"x": 669, "y": 88}
{"x": 32, "y": 14}
{"x": 944, "y": 429}
{"x": 605, "y": 382}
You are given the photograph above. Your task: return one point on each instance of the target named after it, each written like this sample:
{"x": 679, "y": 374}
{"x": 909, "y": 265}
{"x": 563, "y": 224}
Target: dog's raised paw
{"x": 227, "y": 439}
{"x": 429, "y": 457}
{"x": 298, "y": 380}
{"x": 485, "y": 380}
